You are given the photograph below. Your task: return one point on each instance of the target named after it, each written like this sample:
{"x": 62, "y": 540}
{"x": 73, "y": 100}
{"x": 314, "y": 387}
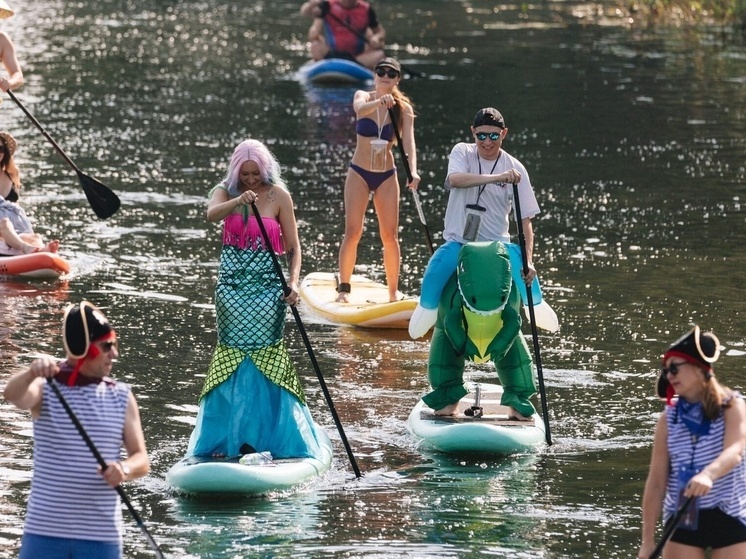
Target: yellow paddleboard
{"x": 369, "y": 305}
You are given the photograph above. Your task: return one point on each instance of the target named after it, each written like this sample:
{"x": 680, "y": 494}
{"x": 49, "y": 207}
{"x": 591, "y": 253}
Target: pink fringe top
{"x": 248, "y": 235}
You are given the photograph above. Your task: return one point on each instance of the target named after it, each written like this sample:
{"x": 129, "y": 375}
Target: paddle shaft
{"x": 44, "y": 132}
{"x": 306, "y": 341}
{"x": 104, "y": 465}
{"x": 531, "y": 313}
{"x": 102, "y": 199}
{"x": 415, "y": 194}
{"x": 671, "y": 528}
{"x": 362, "y": 37}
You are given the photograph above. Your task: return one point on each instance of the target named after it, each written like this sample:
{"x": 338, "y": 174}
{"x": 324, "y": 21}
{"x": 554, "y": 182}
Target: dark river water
{"x": 634, "y": 137}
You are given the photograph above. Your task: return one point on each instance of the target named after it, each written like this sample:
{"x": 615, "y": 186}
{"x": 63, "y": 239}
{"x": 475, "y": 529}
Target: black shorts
{"x": 715, "y": 529}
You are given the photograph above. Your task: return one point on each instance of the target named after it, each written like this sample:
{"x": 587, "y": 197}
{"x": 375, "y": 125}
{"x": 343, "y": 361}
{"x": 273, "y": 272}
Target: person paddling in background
{"x": 372, "y": 172}
{"x": 16, "y": 233}
{"x": 252, "y": 400}
{"x": 698, "y": 451}
{"x": 14, "y": 79}
{"x": 72, "y": 510}
{"x": 480, "y": 199}
{"x": 344, "y": 29}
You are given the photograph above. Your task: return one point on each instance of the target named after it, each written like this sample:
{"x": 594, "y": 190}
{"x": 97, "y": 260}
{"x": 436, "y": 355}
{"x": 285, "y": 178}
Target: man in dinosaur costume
{"x": 479, "y": 319}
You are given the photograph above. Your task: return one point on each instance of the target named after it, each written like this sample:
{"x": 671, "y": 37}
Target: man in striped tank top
{"x": 73, "y": 512}
{"x": 698, "y": 452}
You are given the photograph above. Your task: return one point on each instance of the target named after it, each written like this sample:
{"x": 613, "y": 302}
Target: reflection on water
{"x": 634, "y": 141}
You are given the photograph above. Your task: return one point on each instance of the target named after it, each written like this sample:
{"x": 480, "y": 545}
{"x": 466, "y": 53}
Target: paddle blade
{"x": 102, "y": 199}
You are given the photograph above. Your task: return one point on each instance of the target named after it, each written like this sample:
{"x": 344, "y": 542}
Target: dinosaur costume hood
{"x": 484, "y": 283}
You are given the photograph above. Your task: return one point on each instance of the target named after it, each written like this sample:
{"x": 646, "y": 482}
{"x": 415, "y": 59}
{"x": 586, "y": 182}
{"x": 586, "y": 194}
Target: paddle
{"x": 413, "y": 73}
{"x": 671, "y": 528}
{"x": 306, "y": 341}
{"x": 101, "y": 198}
{"x": 530, "y": 297}
{"x": 415, "y": 194}
{"x": 102, "y": 463}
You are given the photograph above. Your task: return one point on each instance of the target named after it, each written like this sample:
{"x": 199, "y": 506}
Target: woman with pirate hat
{"x": 698, "y": 452}
{"x": 73, "y": 510}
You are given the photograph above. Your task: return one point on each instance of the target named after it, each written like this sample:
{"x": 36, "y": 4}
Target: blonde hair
{"x": 716, "y": 398}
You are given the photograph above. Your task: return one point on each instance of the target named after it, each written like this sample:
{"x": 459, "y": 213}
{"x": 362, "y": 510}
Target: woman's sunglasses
{"x": 380, "y": 72}
{"x": 673, "y": 368}
{"x": 482, "y": 136}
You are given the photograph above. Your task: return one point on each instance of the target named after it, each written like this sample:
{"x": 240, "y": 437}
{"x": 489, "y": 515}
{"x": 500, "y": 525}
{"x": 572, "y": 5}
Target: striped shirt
{"x": 69, "y": 498}
{"x": 728, "y": 493}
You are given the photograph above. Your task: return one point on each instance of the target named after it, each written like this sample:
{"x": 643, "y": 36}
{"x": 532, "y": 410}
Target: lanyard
{"x": 479, "y": 163}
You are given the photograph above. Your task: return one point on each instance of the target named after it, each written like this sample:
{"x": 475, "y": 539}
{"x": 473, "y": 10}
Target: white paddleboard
{"x": 490, "y": 433}
{"x": 369, "y": 305}
{"x": 208, "y": 475}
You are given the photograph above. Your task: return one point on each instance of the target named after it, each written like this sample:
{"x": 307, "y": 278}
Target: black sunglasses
{"x": 673, "y": 368}
{"x": 380, "y": 72}
{"x": 482, "y": 136}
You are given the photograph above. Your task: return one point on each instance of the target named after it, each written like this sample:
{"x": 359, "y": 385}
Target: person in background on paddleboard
{"x": 698, "y": 451}
{"x": 344, "y": 29}
{"x": 14, "y": 79}
{"x": 252, "y": 400}
{"x": 72, "y": 511}
{"x": 16, "y": 233}
{"x": 479, "y": 180}
{"x": 372, "y": 173}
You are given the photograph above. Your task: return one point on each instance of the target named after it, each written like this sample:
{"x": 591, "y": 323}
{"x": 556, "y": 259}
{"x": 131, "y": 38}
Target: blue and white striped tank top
{"x": 729, "y": 492}
{"x": 69, "y": 498}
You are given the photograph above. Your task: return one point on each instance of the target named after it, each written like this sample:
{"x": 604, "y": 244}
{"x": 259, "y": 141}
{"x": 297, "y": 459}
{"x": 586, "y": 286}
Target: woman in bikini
{"x": 16, "y": 234}
{"x": 373, "y": 172}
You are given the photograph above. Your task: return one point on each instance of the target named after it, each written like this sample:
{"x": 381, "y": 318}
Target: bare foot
{"x": 398, "y": 296}
{"x": 515, "y": 415}
{"x": 51, "y": 246}
{"x": 450, "y": 409}
{"x": 342, "y": 297}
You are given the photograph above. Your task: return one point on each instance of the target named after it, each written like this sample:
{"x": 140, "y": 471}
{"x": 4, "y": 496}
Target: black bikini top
{"x": 12, "y": 195}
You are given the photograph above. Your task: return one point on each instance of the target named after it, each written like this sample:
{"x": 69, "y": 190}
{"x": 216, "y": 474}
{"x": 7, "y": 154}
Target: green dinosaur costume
{"x": 479, "y": 319}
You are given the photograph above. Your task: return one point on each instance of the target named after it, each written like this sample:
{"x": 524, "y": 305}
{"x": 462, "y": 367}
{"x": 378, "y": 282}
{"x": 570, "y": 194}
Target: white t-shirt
{"x": 496, "y": 197}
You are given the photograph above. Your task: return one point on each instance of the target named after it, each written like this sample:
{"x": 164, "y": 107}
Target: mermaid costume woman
{"x": 252, "y": 395}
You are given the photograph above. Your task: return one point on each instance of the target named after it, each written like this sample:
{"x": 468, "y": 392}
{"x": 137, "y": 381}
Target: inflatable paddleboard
{"x": 334, "y": 71}
{"x": 369, "y": 305}
{"x": 468, "y": 432}
{"x": 35, "y": 265}
{"x": 258, "y": 474}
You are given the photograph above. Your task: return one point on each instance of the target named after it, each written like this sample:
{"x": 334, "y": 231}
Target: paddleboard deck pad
{"x": 369, "y": 305}
{"x": 258, "y": 475}
{"x": 480, "y": 426}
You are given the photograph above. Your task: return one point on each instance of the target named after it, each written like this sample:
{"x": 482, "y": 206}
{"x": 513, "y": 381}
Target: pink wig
{"x": 256, "y": 151}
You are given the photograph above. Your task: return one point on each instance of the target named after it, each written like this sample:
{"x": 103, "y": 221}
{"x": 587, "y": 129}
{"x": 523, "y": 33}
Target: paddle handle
{"x": 307, "y": 342}
{"x": 44, "y": 132}
{"x": 104, "y": 465}
{"x": 408, "y": 171}
{"x": 671, "y": 528}
{"x": 532, "y": 314}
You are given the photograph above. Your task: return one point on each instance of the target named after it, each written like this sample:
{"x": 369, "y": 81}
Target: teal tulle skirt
{"x": 250, "y": 409}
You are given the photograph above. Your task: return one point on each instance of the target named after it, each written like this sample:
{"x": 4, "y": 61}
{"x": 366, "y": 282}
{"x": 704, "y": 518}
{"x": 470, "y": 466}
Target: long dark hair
{"x": 8, "y": 165}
